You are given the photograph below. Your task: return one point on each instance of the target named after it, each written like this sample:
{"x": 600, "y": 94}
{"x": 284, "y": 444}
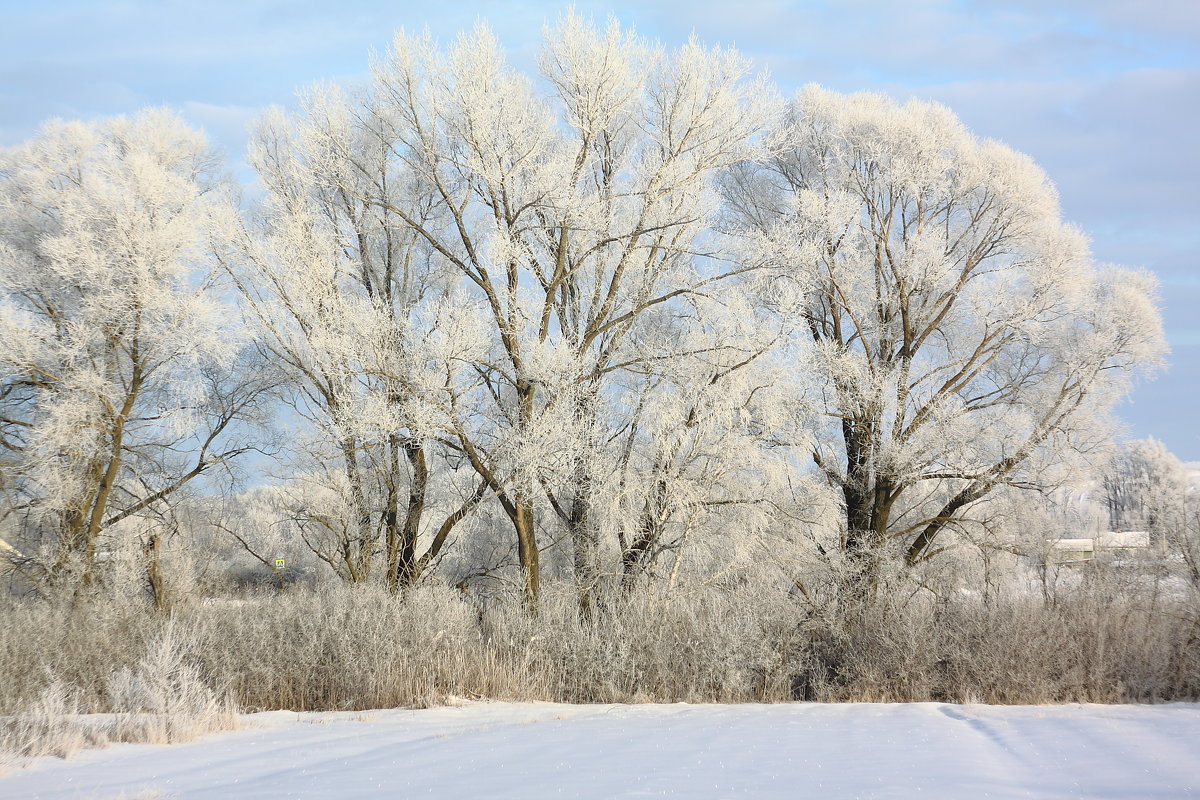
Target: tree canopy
{"x": 631, "y": 310}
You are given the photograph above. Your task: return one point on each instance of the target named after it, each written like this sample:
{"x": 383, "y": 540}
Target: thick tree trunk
{"x": 407, "y": 568}
{"x": 868, "y": 498}
{"x": 527, "y": 549}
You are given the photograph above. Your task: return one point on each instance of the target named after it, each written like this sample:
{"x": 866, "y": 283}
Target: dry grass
{"x": 48, "y": 726}
{"x": 1086, "y": 648}
{"x": 358, "y": 648}
{"x": 159, "y": 700}
{"x": 169, "y": 678}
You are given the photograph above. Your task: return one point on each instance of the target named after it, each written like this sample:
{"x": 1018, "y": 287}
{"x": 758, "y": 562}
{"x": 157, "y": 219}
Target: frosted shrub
{"x": 50, "y": 726}
{"x": 164, "y": 698}
{"x": 359, "y": 647}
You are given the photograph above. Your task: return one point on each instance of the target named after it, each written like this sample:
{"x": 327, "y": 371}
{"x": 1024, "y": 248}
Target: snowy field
{"x": 535, "y": 750}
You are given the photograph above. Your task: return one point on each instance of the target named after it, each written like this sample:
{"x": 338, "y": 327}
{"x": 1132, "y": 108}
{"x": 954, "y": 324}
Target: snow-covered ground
{"x": 536, "y": 750}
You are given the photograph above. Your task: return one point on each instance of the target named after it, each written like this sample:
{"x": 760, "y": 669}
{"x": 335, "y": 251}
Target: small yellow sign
{"x": 280, "y": 563}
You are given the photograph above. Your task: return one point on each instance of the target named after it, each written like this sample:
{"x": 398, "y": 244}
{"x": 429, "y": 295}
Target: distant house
{"x": 1104, "y": 545}
{"x": 1069, "y": 551}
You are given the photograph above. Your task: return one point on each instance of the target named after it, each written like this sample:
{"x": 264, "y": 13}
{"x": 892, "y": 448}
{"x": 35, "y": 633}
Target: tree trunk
{"x": 586, "y": 543}
{"x": 641, "y": 551}
{"x": 868, "y": 498}
{"x": 406, "y": 566}
{"x": 152, "y": 552}
{"x": 357, "y": 554}
{"x": 391, "y": 518}
{"x": 522, "y": 508}
{"x": 95, "y": 521}
{"x": 527, "y": 550}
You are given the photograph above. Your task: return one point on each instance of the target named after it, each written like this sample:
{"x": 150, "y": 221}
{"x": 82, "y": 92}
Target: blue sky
{"x": 1104, "y": 94}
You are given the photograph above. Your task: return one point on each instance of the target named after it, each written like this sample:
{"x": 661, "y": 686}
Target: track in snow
{"x": 544, "y": 750}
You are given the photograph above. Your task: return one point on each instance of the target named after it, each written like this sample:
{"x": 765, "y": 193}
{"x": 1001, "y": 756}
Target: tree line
{"x": 632, "y": 316}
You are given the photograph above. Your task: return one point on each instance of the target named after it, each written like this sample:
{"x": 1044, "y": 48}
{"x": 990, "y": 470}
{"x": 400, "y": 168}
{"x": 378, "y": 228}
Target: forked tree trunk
{"x": 95, "y": 521}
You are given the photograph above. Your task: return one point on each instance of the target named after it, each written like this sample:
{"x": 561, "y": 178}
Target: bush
{"x": 160, "y": 700}
{"x": 165, "y": 678}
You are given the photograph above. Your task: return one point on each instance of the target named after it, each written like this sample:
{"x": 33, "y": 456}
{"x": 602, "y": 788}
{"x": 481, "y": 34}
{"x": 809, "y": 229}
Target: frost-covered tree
{"x": 115, "y": 349}
{"x": 1139, "y": 481}
{"x": 575, "y": 228}
{"x": 351, "y": 305}
{"x": 1145, "y": 487}
{"x": 961, "y": 337}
